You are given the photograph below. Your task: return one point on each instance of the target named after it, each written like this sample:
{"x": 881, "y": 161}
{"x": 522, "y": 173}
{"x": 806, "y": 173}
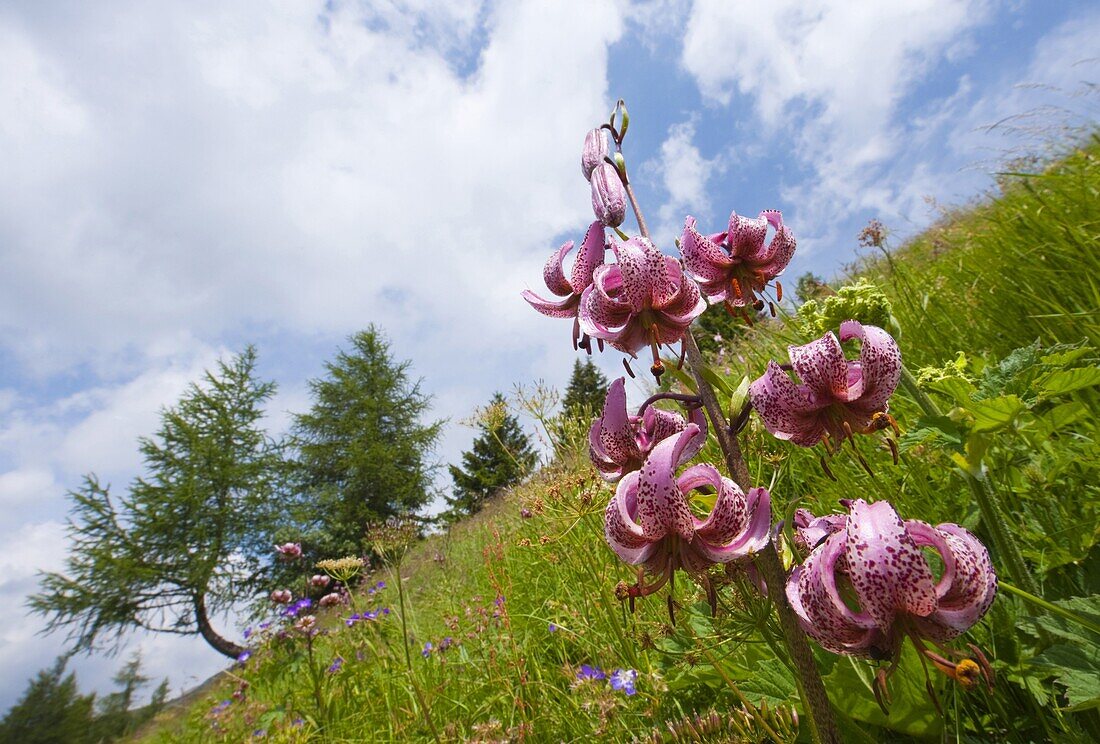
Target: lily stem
{"x": 1052, "y": 608}
{"x": 810, "y": 686}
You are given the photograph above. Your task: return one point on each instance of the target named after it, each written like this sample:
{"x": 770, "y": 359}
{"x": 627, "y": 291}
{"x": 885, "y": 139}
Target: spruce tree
{"x": 502, "y": 455}
{"x": 364, "y": 450}
{"x": 51, "y": 711}
{"x": 584, "y": 396}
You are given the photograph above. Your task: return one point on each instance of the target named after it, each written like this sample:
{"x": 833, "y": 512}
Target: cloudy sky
{"x": 182, "y": 178}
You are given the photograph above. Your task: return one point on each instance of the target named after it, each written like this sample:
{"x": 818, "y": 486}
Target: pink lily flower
{"x": 649, "y": 523}
{"x": 289, "y": 551}
{"x": 618, "y": 442}
{"x": 837, "y": 397}
{"x": 735, "y": 265}
{"x": 643, "y": 300}
{"x": 896, "y": 595}
{"x": 588, "y": 259}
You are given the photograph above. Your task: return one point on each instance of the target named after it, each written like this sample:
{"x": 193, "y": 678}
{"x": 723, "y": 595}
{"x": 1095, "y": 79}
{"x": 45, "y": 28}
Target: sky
{"x": 180, "y": 179}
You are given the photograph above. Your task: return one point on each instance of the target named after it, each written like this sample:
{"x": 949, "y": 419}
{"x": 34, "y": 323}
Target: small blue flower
{"x": 380, "y": 585}
{"x": 427, "y": 650}
{"x": 624, "y": 679}
{"x": 337, "y": 663}
{"x": 247, "y": 633}
{"x": 499, "y": 601}
{"x": 446, "y": 643}
{"x": 244, "y": 656}
{"x": 221, "y": 706}
{"x": 259, "y": 733}
{"x": 385, "y": 610}
{"x": 552, "y": 628}
{"x": 591, "y": 672}
{"x": 265, "y": 625}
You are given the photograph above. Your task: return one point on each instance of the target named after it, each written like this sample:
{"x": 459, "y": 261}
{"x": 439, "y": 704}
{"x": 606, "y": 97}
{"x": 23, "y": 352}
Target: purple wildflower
{"x": 336, "y": 665}
{"x": 624, "y": 679}
{"x": 588, "y": 671}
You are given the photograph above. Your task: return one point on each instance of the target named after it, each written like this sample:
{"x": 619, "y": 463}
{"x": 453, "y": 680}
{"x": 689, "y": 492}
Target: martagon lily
{"x": 837, "y": 397}
{"x": 733, "y": 266}
{"x": 649, "y": 523}
{"x": 867, "y": 586}
{"x": 643, "y": 300}
{"x": 588, "y": 259}
{"x": 618, "y": 442}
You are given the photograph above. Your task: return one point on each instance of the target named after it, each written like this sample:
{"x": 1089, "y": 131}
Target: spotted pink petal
{"x": 641, "y": 265}
{"x": 879, "y": 365}
{"x": 623, "y": 533}
{"x": 590, "y": 256}
{"x": 705, "y": 261}
{"x": 662, "y": 508}
{"x": 600, "y": 314}
{"x": 822, "y": 367}
{"x": 886, "y": 568}
{"x": 746, "y": 236}
{"x": 738, "y": 525}
{"x": 811, "y": 531}
{"x": 564, "y": 308}
{"x": 822, "y": 613}
{"x": 785, "y": 407}
{"x": 668, "y": 284}
{"x": 658, "y": 424}
{"x": 780, "y": 250}
{"x": 554, "y": 271}
{"x": 616, "y": 438}
{"x": 965, "y": 599}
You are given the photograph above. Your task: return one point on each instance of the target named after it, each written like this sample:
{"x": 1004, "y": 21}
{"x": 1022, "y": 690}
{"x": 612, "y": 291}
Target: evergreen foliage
{"x": 51, "y": 711}
{"x": 192, "y": 536}
{"x": 584, "y": 396}
{"x": 502, "y": 454}
{"x": 363, "y": 448}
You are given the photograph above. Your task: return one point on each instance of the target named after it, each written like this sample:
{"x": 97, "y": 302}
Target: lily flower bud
{"x": 608, "y": 195}
{"x": 595, "y": 150}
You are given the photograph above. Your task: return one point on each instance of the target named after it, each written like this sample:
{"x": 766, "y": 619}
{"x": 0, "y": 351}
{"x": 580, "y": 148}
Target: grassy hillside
{"x": 525, "y": 629}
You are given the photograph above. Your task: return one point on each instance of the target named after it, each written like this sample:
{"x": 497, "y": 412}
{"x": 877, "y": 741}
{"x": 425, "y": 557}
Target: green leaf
{"x": 716, "y": 380}
{"x": 995, "y": 414}
{"x": 1060, "y": 417}
{"x": 1077, "y": 669}
{"x": 738, "y": 397}
{"x": 1069, "y": 380}
{"x": 957, "y": 389}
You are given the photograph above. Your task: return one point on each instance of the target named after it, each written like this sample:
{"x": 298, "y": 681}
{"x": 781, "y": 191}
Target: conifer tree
{"x": 364, "y": 451}
{"x": 51, "y": 711}
{"x": 584, "y": 396}
{"x": 502, "y": 454}
{"x": 193, "y": 535}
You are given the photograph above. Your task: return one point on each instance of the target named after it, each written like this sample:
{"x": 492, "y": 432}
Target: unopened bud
{"x": 331, "y": 600}
{"x": 282, "y": 596}
{"x": 608, "y": 196}
{"x": 319, "y": 580}
{"x": 595, "y": 150}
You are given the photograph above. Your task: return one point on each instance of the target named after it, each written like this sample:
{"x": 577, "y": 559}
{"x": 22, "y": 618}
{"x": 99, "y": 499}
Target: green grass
{"x": 984, "y": 281}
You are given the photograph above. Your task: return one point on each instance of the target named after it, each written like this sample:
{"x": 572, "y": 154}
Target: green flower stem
{"x": 993, "y": 515}
{"x": 810, "y": 686}
{"x": 408, "y": 657}
{"x": 1052, "y": 608}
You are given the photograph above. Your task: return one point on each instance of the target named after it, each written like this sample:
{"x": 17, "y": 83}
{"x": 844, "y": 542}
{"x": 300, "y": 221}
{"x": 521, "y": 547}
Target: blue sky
{"x": 183, "y": 178}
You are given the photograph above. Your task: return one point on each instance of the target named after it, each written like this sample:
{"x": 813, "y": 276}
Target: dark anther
{"x": 771, "y": 308}
{"x": 758, "y": 304}
{"x": 657, "y": 370}
{"x": 778, "y": 292}
{"x": 629, "y": 371}
{"x": 825, "y": 467}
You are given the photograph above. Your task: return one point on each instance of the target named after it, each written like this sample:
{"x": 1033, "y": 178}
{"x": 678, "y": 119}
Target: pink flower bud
{"x": 282, "y": 596}
{"x": 289, "y": 551}
{"x": 331, "y": 600}
{"x": 319, "y": 580}
{"x": 595, "y": 150}
{"x": 608, "y": 195}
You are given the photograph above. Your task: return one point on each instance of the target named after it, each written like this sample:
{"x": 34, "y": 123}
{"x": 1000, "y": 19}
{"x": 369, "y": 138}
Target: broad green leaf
{"x": 957, "y": 389}
{"x": 1068, "y": 380}
{"x": 1077, "y": 669}
{"x": 995, "y": 414}
{"x": 738, "y": 397}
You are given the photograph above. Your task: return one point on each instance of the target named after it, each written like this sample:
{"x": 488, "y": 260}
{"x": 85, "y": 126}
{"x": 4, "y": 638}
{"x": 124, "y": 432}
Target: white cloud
{"x": 830, "y": 74}
{"x": 685, "y": 174}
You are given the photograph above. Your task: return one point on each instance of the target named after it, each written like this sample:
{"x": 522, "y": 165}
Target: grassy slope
{"x": 985, "y": 280}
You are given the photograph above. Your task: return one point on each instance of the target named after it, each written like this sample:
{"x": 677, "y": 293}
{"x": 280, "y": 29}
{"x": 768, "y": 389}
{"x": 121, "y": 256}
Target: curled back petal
{"x": 599, "y": 315}
{"x": 553, "y": 273}
{"x": 786, "y": 408}
{"x": 564, "y": 308}
{"x": 879, "y": 364}
{"x": 746, "y": 236}
{"x": 623, "y": 533}
{"x": 609, "y": 470}
{"x": 658, "y": 424}
{"x": 705, "y": 260}
{"x": 886, "y": 568}
{"x": 972, "y": 589}
{"x": 822, "y": 367}
{"x": 588, "y": 258}
{"x": 780, "y": 250}
{"x": 667, "y": 286}
{"x": 662, "y": 507}
{"x": 617, "y": 441}
{"x": 737, "y": 526}
{"x": 822, "y": 613}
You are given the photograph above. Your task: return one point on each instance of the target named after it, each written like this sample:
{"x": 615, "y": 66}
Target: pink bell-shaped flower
{"x": 588, "y": 259}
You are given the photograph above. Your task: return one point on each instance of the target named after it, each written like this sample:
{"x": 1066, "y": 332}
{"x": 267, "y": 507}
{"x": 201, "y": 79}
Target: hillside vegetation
{"x": 511, "y": 629}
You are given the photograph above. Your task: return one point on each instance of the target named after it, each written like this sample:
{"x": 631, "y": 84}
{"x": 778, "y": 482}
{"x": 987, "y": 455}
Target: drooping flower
{"x": 624, "y": 680}
{"x": 608, "y": 195}
{"x": 837, "y": 397}
{"x": 643, "y": 300}
{"x": 594, "y": 152}
{"x": 619, "y": 442}
{"x": 289, "y": 551}
{"x": 868, "y": 586}
{"x": 588, "y": 258}
{"x": 733, "y": 266}
{"x": 281, "y": 596}
{"x": 649, "y": 523}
